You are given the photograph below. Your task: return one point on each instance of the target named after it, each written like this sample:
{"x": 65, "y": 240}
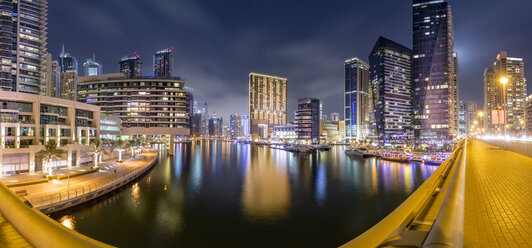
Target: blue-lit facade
{"x": 390, "y": 73}
{"x": 357, "y": 100}
{"x": 435, "y": 90}
{"x": 67, "y": 62}
{"x": 92, "y": 68}
{"x": 308, "y": 118}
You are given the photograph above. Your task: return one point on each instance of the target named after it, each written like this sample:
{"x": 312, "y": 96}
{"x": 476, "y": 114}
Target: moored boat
{"x": 360, "y": 152}
{"x": 395, "y": 156}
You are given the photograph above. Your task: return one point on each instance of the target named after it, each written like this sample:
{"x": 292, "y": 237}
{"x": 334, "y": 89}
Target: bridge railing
{"x": 397, "y": 221}
{"x": 38, "y": 229}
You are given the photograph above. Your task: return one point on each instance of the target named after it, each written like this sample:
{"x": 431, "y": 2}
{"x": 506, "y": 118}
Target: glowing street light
{"x": 481, "y": 115}
{"x": 504, "y": 81}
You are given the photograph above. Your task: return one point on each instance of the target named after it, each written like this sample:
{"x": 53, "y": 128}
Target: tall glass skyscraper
{"x": 162, "y": 63}
{"x": 92, "y": 68}
{"x": 23, "y": 45}
{"x": 357, "y": 99}
{"x": 66, "y": 61}
{"x": 435, "y": 90}
{"x": 131, "y": 66}
{"x": 390, "y": 73}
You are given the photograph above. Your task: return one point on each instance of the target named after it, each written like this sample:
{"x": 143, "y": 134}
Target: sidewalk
{"x": 498, "y": 197}
{"x": 109, "y": 170}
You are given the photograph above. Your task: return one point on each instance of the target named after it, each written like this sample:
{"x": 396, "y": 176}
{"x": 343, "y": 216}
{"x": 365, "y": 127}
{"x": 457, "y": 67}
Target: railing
{"x": 448, "y": 228}
{"x": 390, "y": 228}
{"x": 49, "y": 200}
{"x": 38, "y": 229}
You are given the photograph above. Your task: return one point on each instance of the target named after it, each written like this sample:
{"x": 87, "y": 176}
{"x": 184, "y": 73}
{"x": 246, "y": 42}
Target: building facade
{"x": 110, "y": 127}
{"x": 390, "y": 67}
{"x": 92, "y": 68}
{"x": 434, "y": 93}
{"x": 513, "y": 69}
{"x": 28, "y": 121}
{"x": 308, "y": 120}
{"x": 245, "y": 126}
{"x": 267, "y": 103}
{"x": 23, "y": 45}
{"x": 284, "y": 133}
{"x": 235, "y": 125}
{"x": 357, "y": 100}
{"x": 472, "y": 115}
{"x": 69, "y": 85}
{"x": 162, "y": 63}
{"x": 462, "y": 114}
{"x": 131, "y": 65}
{"x": 146, "y": 106}
{"x": 52, "y": 76}
{"x": 67, "y": 62}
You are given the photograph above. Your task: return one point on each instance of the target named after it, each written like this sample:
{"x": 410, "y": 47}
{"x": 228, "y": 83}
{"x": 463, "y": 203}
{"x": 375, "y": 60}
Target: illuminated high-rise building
{"x": 162, "y": 63}
{"x": 131, "y": 66}
{"x": 357, "y": 100}
{"x": 435, "y": 84}
{"x": 69, "y": 85}
{"x": 267, "y": 103}
{"x": 92, "y": 68}
{"x": 67, "y": 62}
{"x": 390, "y": 67}
{"x": 308, "y": 120}
{"x": 512, "y": 69}
{"x": 235, "y": 122}
{"x": 23, "y": 46}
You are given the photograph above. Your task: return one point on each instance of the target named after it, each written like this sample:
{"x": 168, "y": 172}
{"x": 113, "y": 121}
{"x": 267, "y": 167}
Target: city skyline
{"x": 311, "y": 57}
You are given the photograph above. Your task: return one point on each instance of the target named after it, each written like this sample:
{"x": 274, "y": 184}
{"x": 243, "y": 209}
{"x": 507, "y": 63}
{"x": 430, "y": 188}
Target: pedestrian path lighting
{"x": 504, "y": 81}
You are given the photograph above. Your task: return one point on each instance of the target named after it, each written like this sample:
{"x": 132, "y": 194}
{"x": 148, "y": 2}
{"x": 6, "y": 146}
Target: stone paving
{"x": 498, "y": 198}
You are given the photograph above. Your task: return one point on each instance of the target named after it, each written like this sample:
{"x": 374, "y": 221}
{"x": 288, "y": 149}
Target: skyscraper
{"x": 267, "y": 103}
{"x": 92, "y": 68}
{"x": 69, "y": 85}
{"x": 308, "y": 120}
{"x": 53, "y": 80}
{"x": 245, "y": 126}
{"x": 162, "y": 63}
{"x": 67, "y": 62}
{"x": 335, "y": 116}
{"x": 513, "y": 69}
{"x": 528, "y": 122}
{"x": 462, "y": 120}
{"x": 235, "y": 122}
{"x": 357, "y": 100}
{"x": 472, "y": 115}
{"x": 23, "y": 45}
{"x": 131, "y": 66}
{"x": 390, "y": 68}
{"x": 434, "y": 93}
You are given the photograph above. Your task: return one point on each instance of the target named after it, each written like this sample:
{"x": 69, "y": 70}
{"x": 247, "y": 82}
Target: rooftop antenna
{"x": 94, "y": 56}
{"x": 63, "y": 48}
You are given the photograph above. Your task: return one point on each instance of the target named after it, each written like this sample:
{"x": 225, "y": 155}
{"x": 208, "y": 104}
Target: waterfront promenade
{"x": 498, "y": 197}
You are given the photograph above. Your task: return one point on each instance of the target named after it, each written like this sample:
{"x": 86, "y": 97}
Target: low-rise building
{"x": 28, "y": 121}
{"x": 110, "y": 127}
{"x": 284, "y": 133}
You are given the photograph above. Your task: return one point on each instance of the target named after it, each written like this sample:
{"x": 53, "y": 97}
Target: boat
{"x": 359, "y": 151}
{"x": 435, "y": 159}
{"x": 300, "y": 148}
{"x": 323, "y": 147}
{"x": 394, "y": 156}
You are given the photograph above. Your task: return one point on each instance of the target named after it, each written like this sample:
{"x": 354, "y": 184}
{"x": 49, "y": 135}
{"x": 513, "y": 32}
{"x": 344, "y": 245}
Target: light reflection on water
{"x": 221, "y": 193}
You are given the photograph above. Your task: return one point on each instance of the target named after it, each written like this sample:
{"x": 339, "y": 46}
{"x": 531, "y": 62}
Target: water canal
{"x": 220, "y": 194}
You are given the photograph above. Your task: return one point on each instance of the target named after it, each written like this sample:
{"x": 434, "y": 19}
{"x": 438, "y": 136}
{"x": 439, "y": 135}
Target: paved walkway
{"x": 107, "y": 173}
{"x": 498, "y": 198}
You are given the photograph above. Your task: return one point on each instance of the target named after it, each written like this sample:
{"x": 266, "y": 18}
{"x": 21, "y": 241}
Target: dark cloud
{"x": 217, "y": 43}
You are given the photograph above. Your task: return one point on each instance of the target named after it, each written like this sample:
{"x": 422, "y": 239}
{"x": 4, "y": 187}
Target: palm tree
{"x": 96, "y": 149}
{"x": 121, "y": 146}
{"x": 49, "y": 153}
{"x": 132, "y": 144}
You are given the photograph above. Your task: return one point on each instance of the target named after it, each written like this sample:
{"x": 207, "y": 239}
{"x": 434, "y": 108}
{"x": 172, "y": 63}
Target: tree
{"x": 50, "y": 153}
{"x": 96, "y": 149}
{"x": 120, "y": 146}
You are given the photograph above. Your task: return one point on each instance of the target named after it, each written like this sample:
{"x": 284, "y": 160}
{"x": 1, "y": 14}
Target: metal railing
{"x": 448, "y": 228}
{"x": 38, "y": 229}
{"x": 49, "y": 200}
{"x": 396, "y": 222}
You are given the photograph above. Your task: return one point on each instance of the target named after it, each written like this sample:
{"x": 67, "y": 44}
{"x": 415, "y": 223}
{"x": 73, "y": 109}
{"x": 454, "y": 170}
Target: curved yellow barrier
{"x": 38, "y": 229}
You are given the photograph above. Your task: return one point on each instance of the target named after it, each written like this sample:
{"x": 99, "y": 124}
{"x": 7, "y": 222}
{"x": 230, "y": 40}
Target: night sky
{"x": 217, "y": 43}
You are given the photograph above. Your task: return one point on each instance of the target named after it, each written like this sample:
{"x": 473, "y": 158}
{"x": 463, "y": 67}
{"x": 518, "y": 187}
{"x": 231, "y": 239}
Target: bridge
{"x": 480, "y": 197}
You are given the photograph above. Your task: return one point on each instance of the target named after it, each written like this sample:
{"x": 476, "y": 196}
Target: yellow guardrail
{"x": 38, "y": 229}
{"x": 403, "y": 215}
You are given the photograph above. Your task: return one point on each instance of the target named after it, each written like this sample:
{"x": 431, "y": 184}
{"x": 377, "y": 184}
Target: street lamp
{"x": 481, "y": 115}
{"x": 504, "y": 81}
